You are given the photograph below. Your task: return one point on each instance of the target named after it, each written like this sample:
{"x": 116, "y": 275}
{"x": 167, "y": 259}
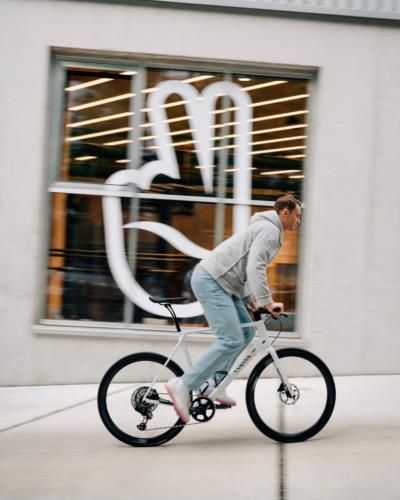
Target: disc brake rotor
{"x": 287, "y": 398}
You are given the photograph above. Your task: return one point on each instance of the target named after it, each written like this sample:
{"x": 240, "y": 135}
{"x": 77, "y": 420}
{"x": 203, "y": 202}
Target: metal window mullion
{"x": 222, "y": 162}
{"x": 89, "y": 190}
{"x": 135, "y": 155}
{"x": 101, "y": 65}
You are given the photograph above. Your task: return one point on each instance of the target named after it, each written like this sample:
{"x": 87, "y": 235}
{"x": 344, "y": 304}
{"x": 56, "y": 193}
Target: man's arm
{"x": 264, "y": 245}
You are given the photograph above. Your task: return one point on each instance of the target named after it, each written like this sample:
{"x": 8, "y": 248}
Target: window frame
{"x": 63, "y": 58}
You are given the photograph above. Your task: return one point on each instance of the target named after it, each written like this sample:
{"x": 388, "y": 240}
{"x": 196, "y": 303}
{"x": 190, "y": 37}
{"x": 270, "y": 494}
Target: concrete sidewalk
{"x": 54, "y": 446}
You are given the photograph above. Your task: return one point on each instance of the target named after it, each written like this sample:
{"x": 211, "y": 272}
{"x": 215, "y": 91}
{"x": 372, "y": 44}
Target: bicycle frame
{"x": 258, "y": 344}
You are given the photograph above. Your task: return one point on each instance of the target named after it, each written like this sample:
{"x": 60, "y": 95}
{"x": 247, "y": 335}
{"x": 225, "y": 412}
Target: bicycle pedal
{"x": 220, "y": 406}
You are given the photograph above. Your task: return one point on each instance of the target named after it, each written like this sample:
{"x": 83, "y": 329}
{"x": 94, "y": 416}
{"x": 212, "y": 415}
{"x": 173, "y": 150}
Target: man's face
{"x": 290, "y": 219}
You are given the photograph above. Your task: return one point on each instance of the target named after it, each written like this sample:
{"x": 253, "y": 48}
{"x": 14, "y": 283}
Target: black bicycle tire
{"x": 102, "y": 401}
{"x": 326, "y": 413}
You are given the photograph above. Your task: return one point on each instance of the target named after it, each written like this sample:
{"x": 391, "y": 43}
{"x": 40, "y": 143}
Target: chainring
{"x": 202, "y": 409}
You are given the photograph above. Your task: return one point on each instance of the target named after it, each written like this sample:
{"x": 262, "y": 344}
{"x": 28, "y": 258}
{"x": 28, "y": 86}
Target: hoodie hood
{"x": 268, "y": 215}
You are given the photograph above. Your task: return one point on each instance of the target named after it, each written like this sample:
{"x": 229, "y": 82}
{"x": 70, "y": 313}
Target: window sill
{"x": 142, "y": 332}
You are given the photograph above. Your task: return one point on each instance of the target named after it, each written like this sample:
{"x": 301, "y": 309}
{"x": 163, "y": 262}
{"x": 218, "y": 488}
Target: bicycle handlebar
{"x": 257, "y": 314}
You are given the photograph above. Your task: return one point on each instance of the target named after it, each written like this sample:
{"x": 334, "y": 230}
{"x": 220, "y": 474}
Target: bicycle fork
{"x": 264, "y": 340}
{"x": 281, "y": 372}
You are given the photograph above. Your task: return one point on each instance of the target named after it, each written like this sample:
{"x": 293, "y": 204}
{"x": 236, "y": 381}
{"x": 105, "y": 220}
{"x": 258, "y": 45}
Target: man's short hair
{"x": 287, "y": 201}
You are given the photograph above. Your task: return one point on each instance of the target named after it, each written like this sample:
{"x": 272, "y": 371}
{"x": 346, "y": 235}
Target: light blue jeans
{"x": 224, "y": 313}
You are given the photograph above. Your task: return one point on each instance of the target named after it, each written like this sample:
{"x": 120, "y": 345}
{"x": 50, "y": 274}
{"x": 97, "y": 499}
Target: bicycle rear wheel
{"x": 121, "y": 403}
{"x": 287, "y": 418}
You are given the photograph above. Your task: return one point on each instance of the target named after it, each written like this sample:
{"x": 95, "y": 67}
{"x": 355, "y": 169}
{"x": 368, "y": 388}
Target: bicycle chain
{"x": 173, "y": 426}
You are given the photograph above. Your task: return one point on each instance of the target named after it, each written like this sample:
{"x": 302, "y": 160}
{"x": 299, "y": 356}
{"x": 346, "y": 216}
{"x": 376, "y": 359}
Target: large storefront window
{"x": 113, "y": 124}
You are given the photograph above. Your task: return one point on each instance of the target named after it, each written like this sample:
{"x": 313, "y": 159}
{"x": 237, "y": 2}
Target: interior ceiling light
{"x": 294, "y": 156}
{"x": 179, "y": 119}
{"x": 220, "y": 148}
{"x": 237, "y": 169}
{"x": 123, "y": 161}
{"x": 198, "y": 78}
{"x": 219, "y": 111}
{"x": 264, "y": 103}
{"x": 280, "y": 115}
{"x": 282, "y": 139}
{"x": 147, "y": 137}
{"x": 280, "y": 172}
{"x": 281, "y": 99}
{"x": 205, "y": 166}
{"x": 278, "y": 129}
{"x": 98, "y": 134}
{"x": 84, "y": 158}
{"x": 180, "y": 132}
{"x": 183, "y": 143}
{"x": 244, "y": 79}
{"x": 262, "y": 85}
{"x": 296, "y": 176}
{"x": 172, "y": 104}
{"x": 102, "y": 119}
{"x": 98, "y": 81}
{"x": 117, "y": 143}
{"x": 129, "y": 73}
{"x": 219, "y": 138}
{"x": 101, "y": 101}
{"x": 227, "y": 124}
{"x": 277, "y": 150}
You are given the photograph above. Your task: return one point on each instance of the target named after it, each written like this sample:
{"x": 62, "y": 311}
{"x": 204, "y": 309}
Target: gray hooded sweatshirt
{"x": 239, "y": 263}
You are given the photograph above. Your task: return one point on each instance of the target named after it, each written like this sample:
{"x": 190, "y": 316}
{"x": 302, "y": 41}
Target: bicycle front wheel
{"x": 135, "y": 410}
{"x": 291, "y": 417}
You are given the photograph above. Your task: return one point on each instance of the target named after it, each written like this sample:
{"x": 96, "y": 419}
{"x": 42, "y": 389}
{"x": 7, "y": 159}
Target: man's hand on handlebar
{"x": 252, "y": 306}
{"x": 275, "y": 309}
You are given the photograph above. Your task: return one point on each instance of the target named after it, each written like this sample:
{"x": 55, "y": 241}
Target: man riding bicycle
{"x": 231, "y": 278}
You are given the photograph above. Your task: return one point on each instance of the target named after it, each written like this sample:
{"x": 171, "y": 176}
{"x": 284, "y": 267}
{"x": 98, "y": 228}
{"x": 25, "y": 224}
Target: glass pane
{"x": 278, "y": 135}
{"x": 162, "y": 269}
{"x": 96, "y": 123}
{"x": 79, "y": 284}
{"x": 97, "y": 141}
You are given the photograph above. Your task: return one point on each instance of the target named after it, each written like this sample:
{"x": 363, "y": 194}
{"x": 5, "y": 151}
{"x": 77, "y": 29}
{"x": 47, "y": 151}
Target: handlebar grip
{"x": 257, "y": 315}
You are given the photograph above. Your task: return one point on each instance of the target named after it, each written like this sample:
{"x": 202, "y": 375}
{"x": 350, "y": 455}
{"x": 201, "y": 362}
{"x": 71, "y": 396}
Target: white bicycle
{"x": 290, "y": 393}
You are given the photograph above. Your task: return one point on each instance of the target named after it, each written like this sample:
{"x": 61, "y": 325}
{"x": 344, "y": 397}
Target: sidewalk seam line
{"x": 41, "y": 417}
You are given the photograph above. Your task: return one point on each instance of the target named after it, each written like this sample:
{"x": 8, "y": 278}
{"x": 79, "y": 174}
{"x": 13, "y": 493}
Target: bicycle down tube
{"x": 261, "y": 344}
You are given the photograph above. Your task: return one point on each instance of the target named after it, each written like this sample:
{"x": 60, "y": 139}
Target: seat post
{"x": 172, "y": 312}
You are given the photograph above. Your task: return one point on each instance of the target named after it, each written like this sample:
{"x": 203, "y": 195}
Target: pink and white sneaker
{"x": 222, "y": 397}
{"x": 179, "y": 394}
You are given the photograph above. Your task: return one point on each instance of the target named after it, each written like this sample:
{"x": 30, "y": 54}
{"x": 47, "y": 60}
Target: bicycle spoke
{"x": 133, "y": 408}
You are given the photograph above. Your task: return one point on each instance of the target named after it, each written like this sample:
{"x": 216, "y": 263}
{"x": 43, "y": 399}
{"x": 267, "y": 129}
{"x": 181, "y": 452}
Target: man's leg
{"x": 248, "y": 334}
{"x": 222, "y": 316}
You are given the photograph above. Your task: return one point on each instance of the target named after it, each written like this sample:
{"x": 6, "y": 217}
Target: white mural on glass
{"x": 200, "y": 107}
